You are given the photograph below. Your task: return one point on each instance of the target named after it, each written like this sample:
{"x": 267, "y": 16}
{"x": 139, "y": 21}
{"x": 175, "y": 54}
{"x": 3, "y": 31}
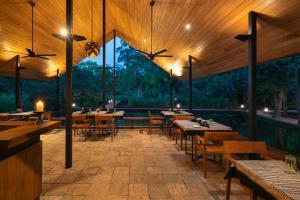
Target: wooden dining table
{"x": 18, "y": 114}
{"x": 167, "y": 113}
{"x": 117, "y": 114}
{"x": 191, "y": 128}
{"x": 266, "y": 178}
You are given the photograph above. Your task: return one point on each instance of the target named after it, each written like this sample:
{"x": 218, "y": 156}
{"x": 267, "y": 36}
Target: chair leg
{"x": 228, "y": 189}
{"x": 176, "y": 137}
{"x": 181, "y": 141}
{"x": 150, "y": 130}
{"x": 185, "y": 142}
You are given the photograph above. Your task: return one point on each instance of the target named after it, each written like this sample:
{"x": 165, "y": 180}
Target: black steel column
{"x": 190, "y": 84}
{"x": 17, "y": 78}
{"x": 57, "y": 92}
{"x": 69, "y": 64}
{"x": 104, "y": 55}
{"x": 252, "y": 61}
{"x": 171, "y": 89}
{"x": 115, "y": 75}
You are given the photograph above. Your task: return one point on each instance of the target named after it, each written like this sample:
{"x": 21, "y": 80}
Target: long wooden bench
{"x": 134, "y": 119}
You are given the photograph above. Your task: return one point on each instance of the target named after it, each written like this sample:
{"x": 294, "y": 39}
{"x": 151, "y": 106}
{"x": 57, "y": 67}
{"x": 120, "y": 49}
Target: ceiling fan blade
{"x": 39, "y": 55}
{"x": 42, "y": 57}
{"x": 143, "y": 52}
{"x": 30, "y": 52}
{"x": 159, "y": 52}
{"x": 59, "y": 36}
{"x": 167, "y": 56}
{"x": 78, "y": 38}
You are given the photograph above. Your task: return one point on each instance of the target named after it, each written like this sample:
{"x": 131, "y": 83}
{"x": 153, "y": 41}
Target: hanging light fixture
{"x": 92, "y": 48}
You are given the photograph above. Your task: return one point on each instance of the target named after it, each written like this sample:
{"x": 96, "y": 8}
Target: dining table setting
{"x": 198, "y": 127}
{"x": 116, "y": 114}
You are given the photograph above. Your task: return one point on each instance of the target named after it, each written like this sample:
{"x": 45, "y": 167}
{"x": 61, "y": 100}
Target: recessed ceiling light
{"x": 145, "y": 40}
{"x": 188, "y": 27}
{"x": 63, "y": 32}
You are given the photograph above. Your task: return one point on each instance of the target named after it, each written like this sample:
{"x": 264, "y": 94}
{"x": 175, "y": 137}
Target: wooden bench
{"x": 134, "y": 119}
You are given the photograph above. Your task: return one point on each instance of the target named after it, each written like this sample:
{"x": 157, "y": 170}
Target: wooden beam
{"x": 171, "y": 89}
{"x": 17, "y": 80}
{"x": 69, "y": 64}
{"x": 252, "y": 61}
{"x": 190, "y": 84}
{"x": 57, "y": 93}
{"x": 115, "y": 74}
{"x": 104, "y": 54}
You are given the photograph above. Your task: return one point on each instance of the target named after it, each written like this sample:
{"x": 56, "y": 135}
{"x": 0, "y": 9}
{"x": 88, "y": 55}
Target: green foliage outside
{"x": 140, "y": 83}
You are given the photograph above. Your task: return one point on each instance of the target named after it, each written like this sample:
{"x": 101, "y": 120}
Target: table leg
{"x": 228, "y": 186}
{"x": 192, "y": 147}
{"x": 185, "y": 143}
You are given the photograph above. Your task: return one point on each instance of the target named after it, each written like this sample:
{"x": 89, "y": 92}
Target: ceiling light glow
{"x": 188, "y": 26}
{"x": 64, "y": 32}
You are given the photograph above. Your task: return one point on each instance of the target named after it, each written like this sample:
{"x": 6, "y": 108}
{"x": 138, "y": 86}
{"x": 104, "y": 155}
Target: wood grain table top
{"x": 272, "y": 176}
{"x": 187, "y": 125}
{"x": 101, "y": 113}
{"x": 167, "y": 113}
{"x": 18, "y": 114}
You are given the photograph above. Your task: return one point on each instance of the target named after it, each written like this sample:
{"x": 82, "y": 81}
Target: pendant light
{"x": 92, "y": 48}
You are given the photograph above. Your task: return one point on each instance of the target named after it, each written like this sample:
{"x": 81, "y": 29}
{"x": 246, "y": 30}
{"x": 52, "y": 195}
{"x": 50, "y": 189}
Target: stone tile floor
{"x": 133, "y": 167}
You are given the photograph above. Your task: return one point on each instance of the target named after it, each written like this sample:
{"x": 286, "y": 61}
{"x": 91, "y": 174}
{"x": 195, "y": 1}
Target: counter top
{"x": 13, "y": 133}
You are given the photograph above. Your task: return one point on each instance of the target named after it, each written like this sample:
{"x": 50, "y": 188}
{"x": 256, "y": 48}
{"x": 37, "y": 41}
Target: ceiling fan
{"x": 30, "y": 52}
{"x": 152, "y": 54}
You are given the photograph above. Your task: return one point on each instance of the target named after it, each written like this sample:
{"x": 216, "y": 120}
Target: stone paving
{"x": 133, "y": 167}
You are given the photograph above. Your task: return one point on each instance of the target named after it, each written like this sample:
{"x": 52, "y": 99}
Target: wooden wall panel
{"x": 21, "y": 174}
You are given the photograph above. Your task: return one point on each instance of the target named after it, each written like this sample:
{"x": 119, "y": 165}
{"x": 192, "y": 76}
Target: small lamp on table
{"x": 39, "y": 111}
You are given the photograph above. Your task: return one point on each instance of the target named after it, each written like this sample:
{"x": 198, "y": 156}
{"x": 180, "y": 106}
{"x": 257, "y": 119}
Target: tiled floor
{"x": 133, "y": 167}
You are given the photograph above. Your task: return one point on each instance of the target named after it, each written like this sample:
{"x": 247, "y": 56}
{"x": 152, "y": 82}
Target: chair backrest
{"x": 78, "y": 118}
{"x": 102, "y": 118}
{"x": 4, "y": 118}
{"x": 182, "y": 117}
{"x": 246, "y": 147}
{"x": 150, "y": 116}
{"x": 220, "y": 136}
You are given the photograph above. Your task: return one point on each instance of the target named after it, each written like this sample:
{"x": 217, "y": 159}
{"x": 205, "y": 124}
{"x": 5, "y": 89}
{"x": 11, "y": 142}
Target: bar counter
{"x": 21, "y": 158}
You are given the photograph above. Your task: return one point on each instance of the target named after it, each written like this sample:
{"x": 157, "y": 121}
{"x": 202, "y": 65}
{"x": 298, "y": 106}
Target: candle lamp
{"x": 39, "y": 112}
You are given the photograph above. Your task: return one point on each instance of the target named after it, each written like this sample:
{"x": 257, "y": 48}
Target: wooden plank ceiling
{"x": 214, "y": 23}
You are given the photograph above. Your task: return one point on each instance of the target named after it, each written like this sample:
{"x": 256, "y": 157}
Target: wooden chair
{"x": 4, "y": 118}
{"x": 80, "y": 122}
{"x": 178, "y": 131}
{"x": 155, "y": 121}
{"x": 212, "y": 143}
{"x": 104, "y": 123}
{"x": 231, "y": 148}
